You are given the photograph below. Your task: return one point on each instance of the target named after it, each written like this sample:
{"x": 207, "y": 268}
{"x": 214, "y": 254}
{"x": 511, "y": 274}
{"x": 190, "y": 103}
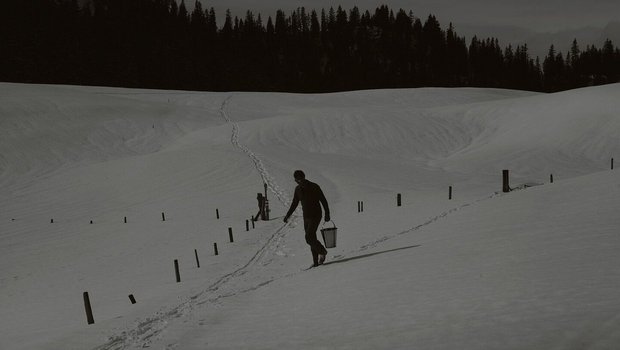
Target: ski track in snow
{"x": 146, "y": 331}
{"x": 150, "y": 329}
{"x": 420, "y": 226}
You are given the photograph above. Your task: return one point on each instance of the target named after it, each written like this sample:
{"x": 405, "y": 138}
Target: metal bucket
{"x": 329, "y": 236}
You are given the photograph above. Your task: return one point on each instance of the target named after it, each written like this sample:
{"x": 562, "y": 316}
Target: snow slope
{"x": 534, "y": 268}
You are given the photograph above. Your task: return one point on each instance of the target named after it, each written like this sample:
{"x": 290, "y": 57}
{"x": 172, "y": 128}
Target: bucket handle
{"x": 324, "y": 222}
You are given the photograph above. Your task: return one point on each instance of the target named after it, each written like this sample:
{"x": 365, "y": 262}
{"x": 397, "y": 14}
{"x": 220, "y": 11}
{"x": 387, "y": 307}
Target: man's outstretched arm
{"x": 293, "y": 207}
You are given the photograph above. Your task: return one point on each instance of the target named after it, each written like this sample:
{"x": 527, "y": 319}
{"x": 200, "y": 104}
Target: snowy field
{"x": 536, "y": 268}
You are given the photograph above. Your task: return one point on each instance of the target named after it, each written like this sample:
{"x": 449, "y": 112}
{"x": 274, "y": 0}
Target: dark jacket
{"x": 310, "y": 195}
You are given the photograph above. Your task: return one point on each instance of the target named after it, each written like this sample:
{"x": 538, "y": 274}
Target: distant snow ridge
{"x": 258, "y": 163}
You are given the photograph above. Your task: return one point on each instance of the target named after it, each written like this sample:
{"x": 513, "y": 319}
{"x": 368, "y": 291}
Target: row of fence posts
{"x": 506, "y": 178}
{"x": 264, "y": 211}
{"x": 360, "y": 209}
{"x": 87, "y": 305}
{"x": 163, "y": 217}
{"x": 505, "y": 188}
{"x": 399, "y": 198}
{"x": 360, "y": 204}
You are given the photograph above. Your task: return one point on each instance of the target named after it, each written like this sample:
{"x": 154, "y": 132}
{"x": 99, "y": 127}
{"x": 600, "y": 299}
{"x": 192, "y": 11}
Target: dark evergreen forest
{"x": 159, "y": 44}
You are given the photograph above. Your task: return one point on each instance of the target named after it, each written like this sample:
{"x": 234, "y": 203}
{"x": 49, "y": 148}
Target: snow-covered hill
{"x": 534, "y": 268}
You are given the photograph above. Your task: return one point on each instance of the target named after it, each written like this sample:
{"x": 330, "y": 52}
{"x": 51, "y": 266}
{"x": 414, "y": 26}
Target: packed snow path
{"x": 258, "y": 163}
{"x": 149, "y": 329}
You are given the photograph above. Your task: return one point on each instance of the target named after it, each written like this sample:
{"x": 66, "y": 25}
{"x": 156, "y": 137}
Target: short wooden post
{"x": 197, "y": 260}
{"x": 132, "y": 299}
{"x": 89, "y": 309}
{"x": 506, "y": 181}
{"x": 215, "y": 248}
{"x": 359, "y": 206}
{"x": 163, "y": 217}
{"x": 551, "y": 178}
{"x": 176, "y": 270}
{"x": 450, "y": 193}
{"x": 230, "y": 235}
{"x": 51, "y": 221}
{"x": 398, "y": 200}
{"x": 247, "y": 225}
{"x": 253, "y": 227}
{"x": 612, "y": 164}
{"x": 125, "y": 219}
{"x": 217, "y": 213}
{"x": 91, "y": 222}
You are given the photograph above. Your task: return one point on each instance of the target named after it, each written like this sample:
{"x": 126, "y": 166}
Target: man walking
{"x": 310, "y": 195}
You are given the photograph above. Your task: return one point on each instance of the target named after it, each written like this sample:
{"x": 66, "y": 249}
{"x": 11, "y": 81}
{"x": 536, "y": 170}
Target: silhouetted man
{"x": 310, "y": 195}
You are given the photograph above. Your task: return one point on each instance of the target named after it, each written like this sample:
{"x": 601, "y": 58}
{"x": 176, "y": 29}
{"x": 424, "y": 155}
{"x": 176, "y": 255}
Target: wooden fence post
{"x": 506, "y": 181}
{"x": 398, "y": 200}
{"x": 247, "y": 225}
{"x": 551, "y": 178}
{"x": 217, "y": 213}
{"x": 176, "y": 270}
{"x": 89, "y": 309}
{"x": 215, "y": 248}
{"x": 197, "y": 260}
{"x": 132, "y": 299}
{"x": 125, "y": 219}
{"x": 230, "y": 235}
{"x": 450, "y": 193}
{"x": 163, "y": 217}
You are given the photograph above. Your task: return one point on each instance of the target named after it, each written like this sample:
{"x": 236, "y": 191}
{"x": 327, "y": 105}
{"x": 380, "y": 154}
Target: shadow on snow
{"x": 369, "y": 255}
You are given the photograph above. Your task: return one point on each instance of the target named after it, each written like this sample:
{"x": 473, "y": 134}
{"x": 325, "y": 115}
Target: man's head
{"x": 299, "y": 176}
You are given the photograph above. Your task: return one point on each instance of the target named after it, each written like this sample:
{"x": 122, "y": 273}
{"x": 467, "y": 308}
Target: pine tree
{"x": 549, "y": 70}
{"x": 197, "y": 18}
{"x": 183, "y": 14}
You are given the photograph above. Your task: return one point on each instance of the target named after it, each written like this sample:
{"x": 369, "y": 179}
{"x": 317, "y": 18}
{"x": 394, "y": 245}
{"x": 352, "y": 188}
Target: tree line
{"x": 160, "y": 44}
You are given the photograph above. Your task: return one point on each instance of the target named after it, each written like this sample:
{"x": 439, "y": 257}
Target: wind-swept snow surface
{"x": 536, "y": 268}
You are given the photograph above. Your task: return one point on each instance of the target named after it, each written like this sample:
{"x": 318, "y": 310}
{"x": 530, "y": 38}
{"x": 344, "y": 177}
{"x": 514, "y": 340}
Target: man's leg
{"x": 310, "y": 226}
